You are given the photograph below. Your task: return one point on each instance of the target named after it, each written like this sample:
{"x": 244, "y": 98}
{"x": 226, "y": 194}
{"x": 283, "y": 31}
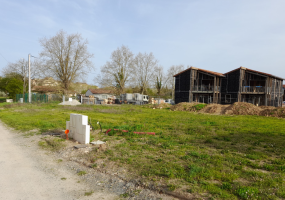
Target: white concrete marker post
{"x": 78, "y": 128}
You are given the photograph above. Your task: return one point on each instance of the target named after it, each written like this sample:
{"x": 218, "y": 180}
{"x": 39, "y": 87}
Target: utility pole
{"x": 23, "y": 73}
{"x": 30, "y": 97}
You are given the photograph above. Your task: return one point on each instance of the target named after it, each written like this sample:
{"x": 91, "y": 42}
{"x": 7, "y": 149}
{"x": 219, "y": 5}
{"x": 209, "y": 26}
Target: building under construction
{"x": 239, "y": 85}
{"x": 198, "y": 85}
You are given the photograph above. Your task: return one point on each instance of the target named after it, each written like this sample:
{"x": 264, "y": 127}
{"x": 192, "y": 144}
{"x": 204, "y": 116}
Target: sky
{"x": 216, "y": 35}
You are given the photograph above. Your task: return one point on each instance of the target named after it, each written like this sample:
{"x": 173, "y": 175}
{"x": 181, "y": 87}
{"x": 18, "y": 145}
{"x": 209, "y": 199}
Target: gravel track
{"x": 28, "y": 173}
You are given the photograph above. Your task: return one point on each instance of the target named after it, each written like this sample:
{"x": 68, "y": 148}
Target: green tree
{"x": 12, "y": 86}
{"x": 158, "y": 85}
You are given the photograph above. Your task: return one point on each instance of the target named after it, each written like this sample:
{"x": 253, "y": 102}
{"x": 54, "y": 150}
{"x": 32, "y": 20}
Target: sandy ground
{"x": 26, "y": 174}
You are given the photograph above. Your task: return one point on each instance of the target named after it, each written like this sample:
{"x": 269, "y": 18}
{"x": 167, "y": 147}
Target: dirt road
{"x": 26, "y": 174}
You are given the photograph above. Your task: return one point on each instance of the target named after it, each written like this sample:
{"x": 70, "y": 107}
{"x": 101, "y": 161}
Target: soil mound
{"x": 211, "y": 108}
{"x": 241, "y": 108}
{"x": 238, "y": 108}
{"x": 273, "y": 112}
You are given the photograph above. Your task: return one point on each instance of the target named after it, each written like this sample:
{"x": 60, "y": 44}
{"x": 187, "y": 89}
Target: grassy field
{"x": 214, "y": 156}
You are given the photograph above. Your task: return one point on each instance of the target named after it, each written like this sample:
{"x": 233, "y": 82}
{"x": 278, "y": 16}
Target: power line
{"x": 4, "y": 58}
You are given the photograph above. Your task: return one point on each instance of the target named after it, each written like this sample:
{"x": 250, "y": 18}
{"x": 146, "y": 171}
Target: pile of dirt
{"x": 191, "y": 107}
{"x": 211, "y": 108}
{"x": 241, "y": 108}
{"x": 238, "y": 108}
{"x": 272, "y": 112}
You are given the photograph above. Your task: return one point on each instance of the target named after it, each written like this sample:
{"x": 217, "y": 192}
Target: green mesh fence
{"x": 35, "y": 98}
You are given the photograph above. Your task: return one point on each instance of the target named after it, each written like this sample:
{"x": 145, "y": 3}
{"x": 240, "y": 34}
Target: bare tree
{"x": 174, "y": 69}
{"x": 145, "y": 65}
{"x": 21, "y": 68}
{"x": 160, "y": 79}
{"x": 117, "y": 72}
{"x": 66, "y": 57}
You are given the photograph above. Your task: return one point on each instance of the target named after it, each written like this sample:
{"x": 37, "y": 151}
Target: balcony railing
{"x": 205, "y": 88}
{"x": 253, "y": 89}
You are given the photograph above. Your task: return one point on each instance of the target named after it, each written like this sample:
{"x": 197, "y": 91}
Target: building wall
{"x": 275, "y": 96}
{"x": 182, "y": 86}
{"x": 88, "y": 93}
{"x": 99, "y": 96}
{"x": 233, "y": 82}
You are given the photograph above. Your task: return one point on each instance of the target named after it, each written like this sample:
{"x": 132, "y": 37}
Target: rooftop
{"x": 100, "y": 91}
{"x": 203, "y": 70}
{"x": 251, "y": 70}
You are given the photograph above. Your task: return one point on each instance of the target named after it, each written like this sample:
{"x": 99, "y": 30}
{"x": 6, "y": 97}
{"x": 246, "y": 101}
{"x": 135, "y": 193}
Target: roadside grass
{"x": 81, "y": 173}
{"x": 88, "y": 193}
{"x": 226, "y": 157}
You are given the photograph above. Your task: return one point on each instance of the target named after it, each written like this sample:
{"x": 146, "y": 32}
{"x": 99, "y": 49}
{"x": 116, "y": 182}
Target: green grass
{"x": 125, "y": 195}
{"x": 81, "y": 173}
{"x": 88, "y": 193}
{"x": 226, "y": 157}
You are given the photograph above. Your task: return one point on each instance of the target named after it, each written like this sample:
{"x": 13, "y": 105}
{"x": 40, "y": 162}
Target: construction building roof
{"x": 251, "y": 70}
{"x": 203, "y": 70}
